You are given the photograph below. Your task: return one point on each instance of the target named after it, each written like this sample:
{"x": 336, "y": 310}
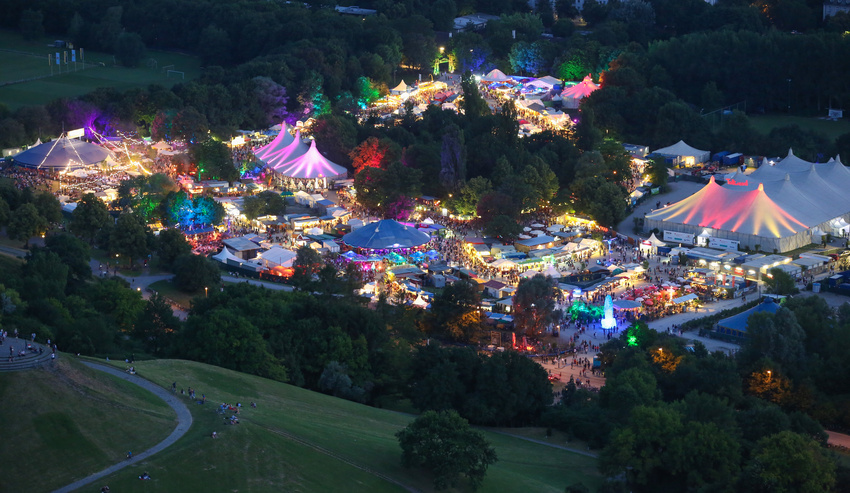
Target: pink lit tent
{"x": 283, "y": 156}
{"x": 572, "y": 95}
{"x": 775, "y": 216}
{"x": 283, "y": 139}
{"x": 312, "y": 165}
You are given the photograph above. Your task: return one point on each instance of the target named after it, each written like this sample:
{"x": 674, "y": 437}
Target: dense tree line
{"x": 678, "y": 419}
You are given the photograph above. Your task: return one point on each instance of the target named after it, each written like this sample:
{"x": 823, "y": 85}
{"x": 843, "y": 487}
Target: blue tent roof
{"x": 386, "y": 235}
{"x": 739, "y": 322}
{"x": 62, "y": 153}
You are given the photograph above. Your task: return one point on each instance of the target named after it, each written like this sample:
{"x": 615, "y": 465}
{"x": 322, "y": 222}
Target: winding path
{"x": 184, "y": 422}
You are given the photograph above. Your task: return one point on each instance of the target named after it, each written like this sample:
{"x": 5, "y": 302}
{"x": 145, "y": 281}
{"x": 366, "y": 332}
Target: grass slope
{"x": 22, "y": 59}
{"x": 297, "y": 440}
{"x": 67, "y": 422}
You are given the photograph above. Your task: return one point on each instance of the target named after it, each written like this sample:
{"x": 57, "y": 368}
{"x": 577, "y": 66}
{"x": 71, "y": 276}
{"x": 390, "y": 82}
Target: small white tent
{"x": 683, "y": 153}
{"x": 400, "y": 88}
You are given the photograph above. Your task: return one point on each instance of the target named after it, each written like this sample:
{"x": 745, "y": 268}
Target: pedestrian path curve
{"x": 184, "y": 422}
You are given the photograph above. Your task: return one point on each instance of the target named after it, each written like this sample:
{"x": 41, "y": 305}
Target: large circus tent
{"x": 294, "y": 159}
{"x": 386, "y": 234}
{"x": 779, "y": 208}
{"x": 310, "y": 165}
{"x": 62, "y": 155}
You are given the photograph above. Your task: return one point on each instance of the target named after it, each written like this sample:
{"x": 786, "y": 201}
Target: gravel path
{"x": 184, "y": 422}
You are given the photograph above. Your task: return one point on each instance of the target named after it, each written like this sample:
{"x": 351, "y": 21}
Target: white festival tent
{"x": 778, "y": 207}
{"x": 400, "y": 88}
{"x": 548, "y": 83}
{"x": 496, "y": 75}
{"x": 276, "y": 256}
{"x": 683, "y": 153}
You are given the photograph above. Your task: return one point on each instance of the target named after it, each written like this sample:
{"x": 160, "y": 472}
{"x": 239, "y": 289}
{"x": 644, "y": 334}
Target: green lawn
{"x": 65, "y": 423}
{"x": 167, "y": 289}
{"x": 76, "y": 81}
{"x": 297, "y": 440}
{"x": 831, "y": 129}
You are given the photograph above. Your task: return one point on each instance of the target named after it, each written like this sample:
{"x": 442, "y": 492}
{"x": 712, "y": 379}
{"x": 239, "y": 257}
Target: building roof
{"x": 386, "y": 234}
{"x": 537, "y": 240}
{"x": 62, "y": 153}
{"x": 739, "y": 322}
{"x": 241, "y": 244}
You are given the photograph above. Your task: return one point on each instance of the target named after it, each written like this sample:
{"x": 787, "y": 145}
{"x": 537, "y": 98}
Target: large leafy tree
{"x": 89, "y": 217}
{"x": 157, "y": 326}
{"x": 455, "y": 313}
{"x": 171, "y": 244}
{"x": 263, "y": 204}
{"x": 443, "y": 443}
{"x": 194, "y": 272}
{"x": 73, "y": 252}
{"x": 25, "y": 223}
{"x": 534, "y": 304}
{"x": 130, "y": 238}
{"x": 214, "y": 160}
{"x": 307, "y": 262}
{"x": 789, "y": 463}
{"x": 660, "y": 450}
{"x": 48, "y": 207}
{"x": 224, "y": 338}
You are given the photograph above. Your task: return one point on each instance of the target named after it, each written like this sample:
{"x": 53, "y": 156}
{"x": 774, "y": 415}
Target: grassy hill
{"x": 66, "y": 422}
{"x": 297, "y": 440}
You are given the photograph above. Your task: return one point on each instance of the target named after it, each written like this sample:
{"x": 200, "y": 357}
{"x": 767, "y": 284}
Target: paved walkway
{"x": 184, "y": 422}
{"x": 31, "y": 360}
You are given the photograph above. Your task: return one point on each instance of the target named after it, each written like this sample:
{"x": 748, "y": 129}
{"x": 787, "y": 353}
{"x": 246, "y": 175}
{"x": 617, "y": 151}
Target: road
{"x": 184, "y": 422}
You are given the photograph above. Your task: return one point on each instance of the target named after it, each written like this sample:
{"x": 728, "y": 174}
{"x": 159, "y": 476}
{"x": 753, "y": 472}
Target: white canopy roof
{"x": 495, "y": 75}
{"x": 277, "y": 256}
{"x": 681, "y": 149}
{"x": 400, "y": 88}
{"x": 652, "y": 240}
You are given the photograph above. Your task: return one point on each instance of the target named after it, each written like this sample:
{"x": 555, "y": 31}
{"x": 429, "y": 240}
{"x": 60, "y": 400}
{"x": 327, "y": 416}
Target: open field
{"x": 66, "y": 422}
{"x": 831, "y": 129}
{"x": 15, "y": 64}
{"x": 297, "y": 440}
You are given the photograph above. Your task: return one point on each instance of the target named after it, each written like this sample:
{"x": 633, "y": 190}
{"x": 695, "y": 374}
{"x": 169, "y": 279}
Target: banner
{"x": 723, "y": 244}
{"x": 57, "y": 58}
{"x": 74, "y": 56}
{"x": 677, "y": 237}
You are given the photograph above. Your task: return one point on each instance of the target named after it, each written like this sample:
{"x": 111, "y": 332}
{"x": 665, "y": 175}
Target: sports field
{"x": 831, "y": 129}
{"x": 20, "y": 59}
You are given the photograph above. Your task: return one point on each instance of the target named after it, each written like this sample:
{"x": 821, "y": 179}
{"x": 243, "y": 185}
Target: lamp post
{"x": 206, "y": 292}
{"x": 789, "y": 95}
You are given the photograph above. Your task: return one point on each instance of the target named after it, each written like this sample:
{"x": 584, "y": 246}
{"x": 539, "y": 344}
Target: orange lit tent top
{"x": 742, "y": 211}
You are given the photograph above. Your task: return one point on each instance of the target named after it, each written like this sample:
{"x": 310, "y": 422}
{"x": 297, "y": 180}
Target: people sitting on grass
{"x": 145, "y": 476}
{"x": 215, "y": 434}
